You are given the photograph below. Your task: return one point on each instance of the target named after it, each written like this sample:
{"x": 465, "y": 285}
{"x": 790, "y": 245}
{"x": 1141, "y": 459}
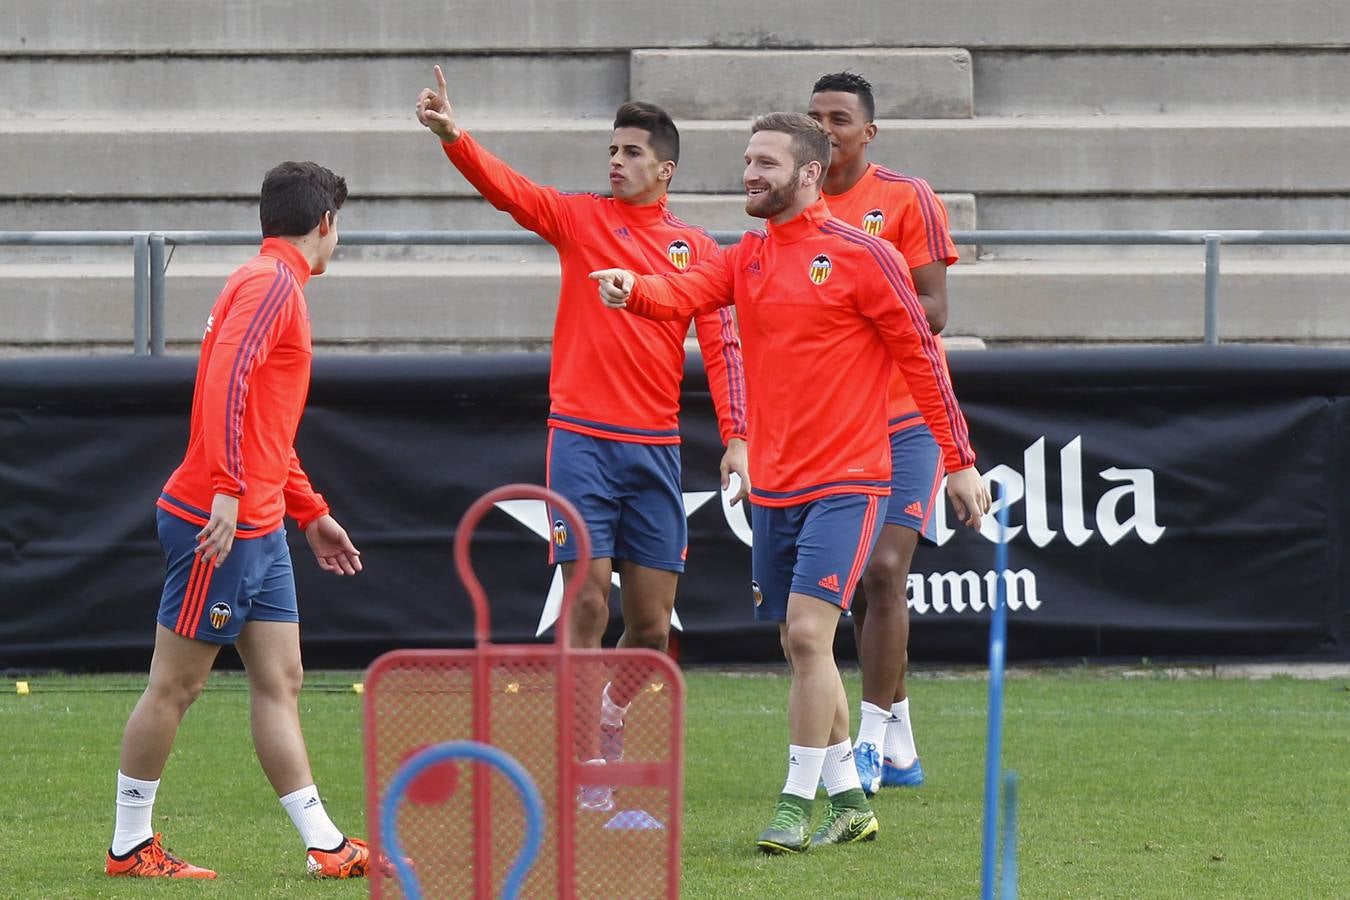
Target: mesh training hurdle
{"x": 462, "y": 828}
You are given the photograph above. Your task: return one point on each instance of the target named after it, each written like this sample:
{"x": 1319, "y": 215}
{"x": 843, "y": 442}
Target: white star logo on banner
{"x": 533, "y": 514}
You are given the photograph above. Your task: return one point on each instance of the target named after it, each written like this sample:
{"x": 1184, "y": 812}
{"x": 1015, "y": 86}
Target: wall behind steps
{"x": 114, "y": 26}
{"x": 1023, "y": 114}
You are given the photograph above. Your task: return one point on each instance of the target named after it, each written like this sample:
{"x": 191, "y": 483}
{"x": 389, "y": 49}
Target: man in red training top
{"x": 826, "y": 311}
{"x": 613, "y": 444}
{"x": 904, "y": 212}
{"x": 229, "y": 577}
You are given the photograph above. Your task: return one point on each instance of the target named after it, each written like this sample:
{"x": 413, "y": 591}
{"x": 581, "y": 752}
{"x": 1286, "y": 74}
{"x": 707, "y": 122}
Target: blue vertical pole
{"x": 998, "y": 627}
{"x": 1009, "y": 878}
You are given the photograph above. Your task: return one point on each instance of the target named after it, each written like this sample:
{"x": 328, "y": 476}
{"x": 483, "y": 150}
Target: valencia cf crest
{"x": 873, "y": 222}
{"x": 820, "y": 268}
{"x": 559, "y": 532}
{"x": 759, "y": 595}
{"x": 220, "y": 615}
{"x": 680, "y": 254}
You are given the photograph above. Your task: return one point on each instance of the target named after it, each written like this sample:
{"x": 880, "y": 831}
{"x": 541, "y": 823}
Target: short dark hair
{"x": 295, "y": 195}
{"x": 849, "y": 83}
{"x": 809, "y": 140}
{"x": 665, "y": 137}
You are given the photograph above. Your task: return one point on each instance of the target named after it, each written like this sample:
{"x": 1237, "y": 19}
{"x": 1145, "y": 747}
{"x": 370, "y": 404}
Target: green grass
{"x": 1130, "y": 787}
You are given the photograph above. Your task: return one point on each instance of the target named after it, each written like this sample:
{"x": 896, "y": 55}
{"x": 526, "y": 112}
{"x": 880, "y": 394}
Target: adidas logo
{"x": 622, "y": 234}
{"x": 792, "y": 760}
{"x": 830, "y": 582}
{"x": 847, "y": 756}
{"x": 311, "y": 803}
{"x": 914, "y": 509}
{"x": 753, "y": 268}
{"x": 133, "y": 793}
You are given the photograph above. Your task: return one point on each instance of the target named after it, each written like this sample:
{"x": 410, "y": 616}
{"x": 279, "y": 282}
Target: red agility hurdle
{"x": 614, "y": 809}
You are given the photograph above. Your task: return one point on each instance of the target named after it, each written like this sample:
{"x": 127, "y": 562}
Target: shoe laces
{"x": 832, "y": 814}
{"x": 786, "y": 816}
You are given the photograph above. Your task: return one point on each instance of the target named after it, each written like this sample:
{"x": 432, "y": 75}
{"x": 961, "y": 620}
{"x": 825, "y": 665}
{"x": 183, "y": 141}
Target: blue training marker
{"x": 1009, "y": 877}
{"x": 998, "y": 633}
{"x": 472, "y": 750}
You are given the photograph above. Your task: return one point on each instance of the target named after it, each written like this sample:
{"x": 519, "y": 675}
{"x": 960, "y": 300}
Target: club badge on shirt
{"x": 680, "y": 254}
{"x": 820, "y": 268}
{"x": 873, "y": 222}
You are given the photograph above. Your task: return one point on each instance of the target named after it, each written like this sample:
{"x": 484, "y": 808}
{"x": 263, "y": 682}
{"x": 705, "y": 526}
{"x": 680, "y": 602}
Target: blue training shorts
{"x": 255, "y": 583}
{"x": 628, "y": 494}
{"x": 916, "y": 482}
{"x": 819, "y": 549}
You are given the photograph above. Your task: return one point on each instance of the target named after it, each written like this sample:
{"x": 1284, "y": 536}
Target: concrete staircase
{"x": 1025, "y": 114}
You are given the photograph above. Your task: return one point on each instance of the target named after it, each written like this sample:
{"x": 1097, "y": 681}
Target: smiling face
{"x": 845, "y": 120}
{"x": 636, "y": 176}
{"x": 773, "y": 182}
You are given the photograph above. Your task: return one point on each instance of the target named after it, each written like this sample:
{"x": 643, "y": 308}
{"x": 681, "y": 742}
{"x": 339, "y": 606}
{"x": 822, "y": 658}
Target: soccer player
{"x": 826, "y": 311}
{"x": 229, "y": 577}
{"x": 613, "y": 443}
{"x": 904, "y": 212}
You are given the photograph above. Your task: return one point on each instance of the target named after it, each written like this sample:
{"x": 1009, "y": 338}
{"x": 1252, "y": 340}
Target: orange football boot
{"x": 348, "y": 861}
{"x": 151, "y": 860}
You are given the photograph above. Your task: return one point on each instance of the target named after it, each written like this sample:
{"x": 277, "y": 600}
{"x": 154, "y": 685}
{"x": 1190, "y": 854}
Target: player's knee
{"x": 590, "y": 615}
{"x": 176, "y": 693}
{"x": 590, "y": 604}
{"x": 884, "y": 578}
{"x": 280, "y": 682}
{"x": 804, "y": 646}
{"x": 648, "y": 635}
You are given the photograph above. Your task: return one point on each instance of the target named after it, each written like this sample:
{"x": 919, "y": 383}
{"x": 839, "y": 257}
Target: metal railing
{"x": 149, "y": 254}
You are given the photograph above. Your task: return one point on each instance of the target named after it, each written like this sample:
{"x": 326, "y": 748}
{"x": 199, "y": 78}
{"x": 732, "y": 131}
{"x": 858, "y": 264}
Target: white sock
{"x": 311, "y": 820}
{"x": 900, "y": 749}
{"x": 804, "y": 767}
{"x": 840, "y": 772}
{"x": 135, "y": 805}
{"x": 611, "y": 713}
{"x": 872, "y": 725}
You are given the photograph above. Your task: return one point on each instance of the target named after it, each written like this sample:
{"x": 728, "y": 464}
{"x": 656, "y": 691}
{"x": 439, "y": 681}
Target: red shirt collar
{"x": 806, "y": 224}
{"x": 288, "y": 253}
{"x": 646, "y": 214}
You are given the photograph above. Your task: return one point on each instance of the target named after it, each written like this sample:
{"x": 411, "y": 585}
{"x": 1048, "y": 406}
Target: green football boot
{"x": 846, "y": 825}
{"x": 790, "y": 829}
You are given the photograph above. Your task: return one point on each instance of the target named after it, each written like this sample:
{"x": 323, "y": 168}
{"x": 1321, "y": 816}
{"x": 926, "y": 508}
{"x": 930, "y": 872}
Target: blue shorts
{"x": 628, "y": 495}
{"x": 916, "y": 481}
{"x": 819, "y": 548}
{"x": 255, "y": 583}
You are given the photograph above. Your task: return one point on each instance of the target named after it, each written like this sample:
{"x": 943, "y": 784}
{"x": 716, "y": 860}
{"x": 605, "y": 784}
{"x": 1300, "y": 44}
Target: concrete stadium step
{"x": 210, "y": 156}
{"x": 727, "y": 84}
{"x": 1174, "y": 82}
{"x": 718, "y": 212}
{"x": 1330, "y": 212}
{"x": 77, "y": 26}
{"x": 478, "y": 305}
{"x": 305, "y": 86}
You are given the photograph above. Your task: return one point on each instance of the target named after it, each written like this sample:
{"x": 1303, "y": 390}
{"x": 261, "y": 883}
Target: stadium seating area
{"x": 1027, "y": 114}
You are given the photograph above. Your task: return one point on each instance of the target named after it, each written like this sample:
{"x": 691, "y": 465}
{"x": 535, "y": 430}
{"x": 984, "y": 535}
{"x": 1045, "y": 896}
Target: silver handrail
{"x": 148, "y": 294}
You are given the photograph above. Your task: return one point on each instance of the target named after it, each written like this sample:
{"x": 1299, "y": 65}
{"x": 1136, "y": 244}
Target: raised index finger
{"x": 440, "y": 81}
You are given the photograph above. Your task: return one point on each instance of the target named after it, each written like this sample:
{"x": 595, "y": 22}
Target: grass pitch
{"x": 1146, "y": 786}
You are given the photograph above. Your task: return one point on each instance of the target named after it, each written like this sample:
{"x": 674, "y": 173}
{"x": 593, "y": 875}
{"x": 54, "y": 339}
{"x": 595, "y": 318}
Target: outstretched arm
{"x": 676, "y": 295}
{"x": 540, "y": 209}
